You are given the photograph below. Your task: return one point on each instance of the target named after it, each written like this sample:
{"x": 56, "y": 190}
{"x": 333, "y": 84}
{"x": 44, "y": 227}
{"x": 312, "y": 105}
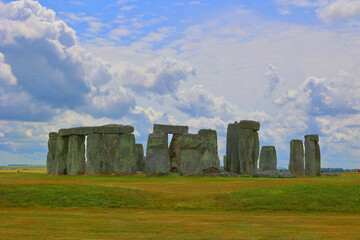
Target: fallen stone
{"x": 139, "y": 172}
{"x": 140, "y": 162}
{"x": 51, "y": 151}
{"x": 157, "y": 154}
{"x": 248, "y": 124}
{"x": 96, "y": 155}
{"x": 107, "y": 129}
{"x": 312, "y": 137}
{"x": 288, "y": 175}
{"x": 190, "y": 162}
{"x": 125, "y": 154}
{"x": 110, "y": 148}
{"x": 312, "y": 158}
{"x": 174, "y": 153}
{"x": 211, "y": 170}
{"x": 172, "y": 129}
{"x": 331, "y": 174}
{"x": 75, "y": 162}
{"x": 267, "y": 174}
{"x": 268, "y": 159}
{"x": 296, "y": 163}
{"x": 59, "y": 163}
{"x": 209, "y": 148}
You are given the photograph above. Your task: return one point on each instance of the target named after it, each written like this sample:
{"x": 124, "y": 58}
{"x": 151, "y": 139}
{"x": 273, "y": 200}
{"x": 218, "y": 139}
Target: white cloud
{"x": 6, "y": 75}
{"x": 339, "y": 10}
{"x": 162, "y": 76}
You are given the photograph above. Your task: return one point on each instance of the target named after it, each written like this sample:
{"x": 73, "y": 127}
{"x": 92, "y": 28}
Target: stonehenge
{"x": 268, "y": 160}
{"x": 112, "y": 149}
{"x": 312, "y": 155}
{"x": 242, "y": 147}
{"x": 296, "y": 162}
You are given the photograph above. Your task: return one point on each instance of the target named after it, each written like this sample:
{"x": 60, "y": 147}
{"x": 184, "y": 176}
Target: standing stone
{"x": 75, "y": 162}
{"x": 125, "y": 154}
{"x": 59, "y": 164}
{"x": 110, "y": 148}
{"x": 246, "y": 151}
{"x": 51, "y": 151}
{"x": 190, "y": 162}
{"x": 268, "y": 160}
{"x": 140, "y": 163}
{"x": 256, "y": 148}
{"x": 174, "y": 153}
{"x": 209, "y": 149}
{"x": 232, "y": 148}
{"x": 296, "y": 163}
{"x": 312, "y": 156}
{"x": 96, "y": 154}
{"x": 225, "y": 162}
{"x": 157, "y": 154}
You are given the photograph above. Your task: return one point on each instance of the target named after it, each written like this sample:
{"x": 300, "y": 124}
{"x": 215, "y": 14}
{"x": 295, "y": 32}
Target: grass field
{"x": 34, "y": 205}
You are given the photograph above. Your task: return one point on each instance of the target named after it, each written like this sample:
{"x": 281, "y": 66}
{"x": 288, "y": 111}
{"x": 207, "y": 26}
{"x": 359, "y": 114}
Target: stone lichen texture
{"x": 296, "y": 162}
{"x": 209, "y": 148}
{"x": 75, "y": 162}
{"x": 190, "y": 162}
{"x": 96, "y": 154}
{"x": 157, "y": 154}
{"x": 312, "y": 156}
{"x": 125, "y": 154}
{"x": 268, "y": 160}
{"x": 51, "y": 151}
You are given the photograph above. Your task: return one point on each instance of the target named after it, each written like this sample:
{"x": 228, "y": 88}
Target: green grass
{"x": 40, "y": 206}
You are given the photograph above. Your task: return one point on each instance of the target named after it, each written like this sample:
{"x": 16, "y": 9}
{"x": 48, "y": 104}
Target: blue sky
{"x": 293, "y": 65}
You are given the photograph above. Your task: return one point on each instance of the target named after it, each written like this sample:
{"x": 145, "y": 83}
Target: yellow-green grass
{"x": 39, "y": 206}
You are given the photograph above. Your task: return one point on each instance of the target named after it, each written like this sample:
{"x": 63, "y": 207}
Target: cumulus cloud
{"x": 162, "y": 76}
{"x": 198, "y": 102}
{"x": 48, "y": 70}
{"x": 339, "y": 10}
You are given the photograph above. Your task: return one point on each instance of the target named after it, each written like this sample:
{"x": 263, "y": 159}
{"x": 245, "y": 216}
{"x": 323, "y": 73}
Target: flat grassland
{"x": 34, "y": 205}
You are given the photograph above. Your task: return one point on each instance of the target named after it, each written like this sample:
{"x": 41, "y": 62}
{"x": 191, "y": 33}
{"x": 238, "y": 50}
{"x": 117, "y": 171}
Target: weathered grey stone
{"x": 51, "y": 151}
{"x": 256, "y": 149}
{"x": 174, "y": 153}
{"x": 312, "y": 137}
{"x": 225, "y": 162}
{"x": 110, "y": 148}
{"x": 331, "y": 174}
{"x": 296, "y": 163}
{"x": 190, "y": 162}
{"x": 59, "y": 163}
{"x": 157, "y": 154}
{"x": 248, "y": 124}
{"x": 288, "y": 175}
{"x": 232, "y": 148}
{"x": 246, "y": 151}
{"x": 209, "y": 148}
{"x": 125, "y": 154}
{"x": 96, "y": 154}
{"x": 107, "y": 129}
{"x": 267, "y": 174}
{"x": 312, "y": 158}
{"x": 268, "y": 160}
{"x": 75, "y": 162}
{"x": 172, "y": 129}
{"x": 140, "y": 162}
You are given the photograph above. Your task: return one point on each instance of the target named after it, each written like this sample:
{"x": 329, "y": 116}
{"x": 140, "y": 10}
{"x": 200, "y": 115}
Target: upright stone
{"x": 312, "y": 156}
{"x": 232, "y": 148}
{"x": 96, "y": 154}
{"x": 268, "y": 160}
{"x": 256, "y": 149}
{"x": 157, "y": 154}
{"x": 190, "y": 162}
{"x": 140, "y": 163}
{"x": 75, "y": 162}
{"x": 225, "y": 162}
{"x": 246, "y": 151}
{"x": 209, "y": 148}
{"x": 125, "y": 154}
{"x": 296, "y": 163}
{"x": 51, "y": 151}
{"x": 110, "y": 148}
{"x": 174, "y": 153}
{"x": 59, "y": 164}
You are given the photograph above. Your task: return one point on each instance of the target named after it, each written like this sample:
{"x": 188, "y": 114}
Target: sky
{"x": 292, "y": 65}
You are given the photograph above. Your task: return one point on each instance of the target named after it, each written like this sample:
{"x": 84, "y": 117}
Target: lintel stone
{"x": 248, "y": 124}
{"x": 312, "y": 137}
{"x": 170, "y": 129}
{"x": 107, "y": 129}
